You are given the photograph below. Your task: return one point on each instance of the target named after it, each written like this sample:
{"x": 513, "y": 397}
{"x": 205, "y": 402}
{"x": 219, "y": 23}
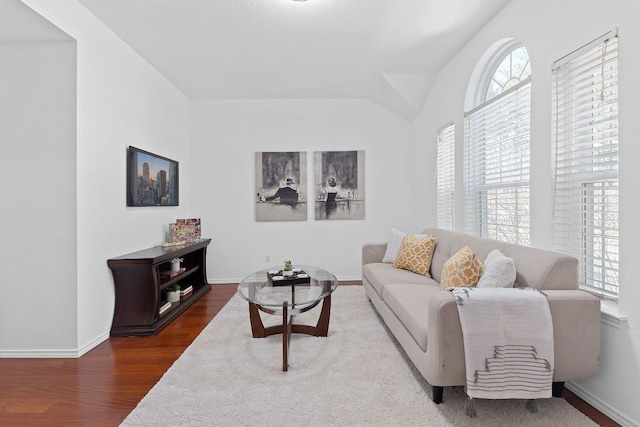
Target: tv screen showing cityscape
{"x": 152, "y": 180}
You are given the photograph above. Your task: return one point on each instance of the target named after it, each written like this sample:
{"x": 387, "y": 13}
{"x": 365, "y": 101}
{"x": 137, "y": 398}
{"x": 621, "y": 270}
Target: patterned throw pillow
{"x": 415, "y": 254}
{"x": 462, "y": 269}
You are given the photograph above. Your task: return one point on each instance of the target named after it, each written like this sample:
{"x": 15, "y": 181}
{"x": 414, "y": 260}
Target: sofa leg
{"x": 556, "y": 389}
{"x": 437, "y": 394}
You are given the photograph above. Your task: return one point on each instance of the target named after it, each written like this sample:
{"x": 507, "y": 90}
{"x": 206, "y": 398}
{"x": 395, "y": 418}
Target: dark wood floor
{"x": 104, "y": 385}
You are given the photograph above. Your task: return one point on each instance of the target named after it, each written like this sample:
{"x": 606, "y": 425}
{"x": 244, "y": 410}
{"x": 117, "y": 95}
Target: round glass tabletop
{"x": 258, "y": 289}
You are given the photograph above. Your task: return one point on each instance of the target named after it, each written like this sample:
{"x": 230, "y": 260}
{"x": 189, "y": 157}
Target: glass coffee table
{"x": 288, "y": 301}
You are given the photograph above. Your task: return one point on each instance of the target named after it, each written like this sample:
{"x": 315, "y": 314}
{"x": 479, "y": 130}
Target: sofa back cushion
{"x": 536, "y": 268}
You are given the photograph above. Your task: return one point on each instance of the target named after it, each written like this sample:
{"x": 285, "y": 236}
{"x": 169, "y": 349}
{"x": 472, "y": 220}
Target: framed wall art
{"x": 338, "y": 185}
{"x": 152, "y": 180}
{"x": 281, "y": 182}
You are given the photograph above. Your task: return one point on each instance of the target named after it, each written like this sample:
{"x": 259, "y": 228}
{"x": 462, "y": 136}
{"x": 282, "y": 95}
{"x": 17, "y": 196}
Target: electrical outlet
{"x": 267, "y": 258}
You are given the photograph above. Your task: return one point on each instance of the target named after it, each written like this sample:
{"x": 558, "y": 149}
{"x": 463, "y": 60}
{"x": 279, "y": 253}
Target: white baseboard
{"x": 592, "y": 400}
{"x": 349, "y": 278}
{"x": 92, "y": 344}
{"x": 39, "y": 354}
{"x": 53, "y": 353}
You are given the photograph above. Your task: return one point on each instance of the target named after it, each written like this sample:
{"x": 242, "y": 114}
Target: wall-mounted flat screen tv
{"x": 152, "y": 180}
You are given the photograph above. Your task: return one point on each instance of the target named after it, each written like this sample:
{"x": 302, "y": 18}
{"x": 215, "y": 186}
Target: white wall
{"x": 225, "y": 137}
{"x": 37, "y": 195}
{"x": 121, "y": 101}
{"x": 549, "y": 30}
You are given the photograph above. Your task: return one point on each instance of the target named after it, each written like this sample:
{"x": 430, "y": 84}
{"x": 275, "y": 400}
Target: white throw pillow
{"x": 393, "y": 245}
{"x": 499, "y": 271}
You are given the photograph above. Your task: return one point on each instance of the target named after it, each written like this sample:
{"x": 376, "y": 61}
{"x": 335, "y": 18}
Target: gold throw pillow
{"x": 415, "y": 254}
{"x": 462, "y": 269}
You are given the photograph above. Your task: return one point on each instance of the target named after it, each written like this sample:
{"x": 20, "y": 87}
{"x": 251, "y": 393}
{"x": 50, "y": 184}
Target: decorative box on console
{"x": 276, "y": 278}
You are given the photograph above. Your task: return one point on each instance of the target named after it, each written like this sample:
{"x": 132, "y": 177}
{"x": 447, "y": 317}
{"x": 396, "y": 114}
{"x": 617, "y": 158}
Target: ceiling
{"x": 387, "y": 51}
{"x": 18, "y": 22}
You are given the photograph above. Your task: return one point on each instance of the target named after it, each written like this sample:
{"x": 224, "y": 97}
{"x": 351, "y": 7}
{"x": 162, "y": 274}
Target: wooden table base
{"x": 321, "y": 329}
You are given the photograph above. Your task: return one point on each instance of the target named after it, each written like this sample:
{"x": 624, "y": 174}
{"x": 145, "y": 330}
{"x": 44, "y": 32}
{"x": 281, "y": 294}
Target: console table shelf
{"x": 165, "y": 282}
{"x": 140, "y": 286}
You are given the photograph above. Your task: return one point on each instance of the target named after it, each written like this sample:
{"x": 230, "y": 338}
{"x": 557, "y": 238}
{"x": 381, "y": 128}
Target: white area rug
{"x": 355, "y": 376}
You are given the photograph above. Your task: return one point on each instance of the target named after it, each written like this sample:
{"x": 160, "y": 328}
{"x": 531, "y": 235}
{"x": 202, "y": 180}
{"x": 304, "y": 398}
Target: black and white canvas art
{"x": 281, "y": 182}
{"x": 338, "y": 185}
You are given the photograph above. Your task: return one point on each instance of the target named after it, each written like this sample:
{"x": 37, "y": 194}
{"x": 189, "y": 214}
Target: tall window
{"x": 585, "y": 215}
{"x": 496, "y": 156}
{"x": 446, "y": 176}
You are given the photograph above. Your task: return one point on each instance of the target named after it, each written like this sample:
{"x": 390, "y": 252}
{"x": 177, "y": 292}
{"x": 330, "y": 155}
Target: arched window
{"x": 513, "y": 67}
{"x": 496, "y": 149}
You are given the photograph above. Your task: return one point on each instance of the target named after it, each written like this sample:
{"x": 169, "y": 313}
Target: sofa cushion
{"x": 535, "y": 268}
{"x": 410, "y": 304}
{"x": 380, "y": 274}
{"x": 462, "y": 269}
{"x": 393, "y": 245}
{"x": 449, "y": 243}
{"x": 415, "y": 254}
{"x": 499, "y": 271}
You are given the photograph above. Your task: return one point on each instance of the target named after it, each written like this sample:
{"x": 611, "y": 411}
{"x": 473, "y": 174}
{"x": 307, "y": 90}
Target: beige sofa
{"x": 424, "y": 319}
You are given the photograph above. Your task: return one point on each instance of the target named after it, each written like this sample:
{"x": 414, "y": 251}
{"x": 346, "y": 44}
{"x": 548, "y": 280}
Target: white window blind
{"x": 585, "y": 214}
{"x": 446, "y": 176}
{"x": 496, "y": 160}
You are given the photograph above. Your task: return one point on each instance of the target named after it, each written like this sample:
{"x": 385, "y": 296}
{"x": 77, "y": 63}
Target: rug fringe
{"x": 470, "y": 408}
{"x": 532, "y": 406}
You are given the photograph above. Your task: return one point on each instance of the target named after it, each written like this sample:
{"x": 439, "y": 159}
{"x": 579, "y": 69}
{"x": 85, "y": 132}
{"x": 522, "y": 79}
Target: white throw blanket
{"x": 508, "y": 342}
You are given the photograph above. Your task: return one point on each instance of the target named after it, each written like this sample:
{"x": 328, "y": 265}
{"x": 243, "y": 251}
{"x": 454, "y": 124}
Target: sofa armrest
{"x": 575, "y": 316}
{"x": 445, "y": 347}
{"x": 576, "y": 333}
{"x": 373, "y": 252}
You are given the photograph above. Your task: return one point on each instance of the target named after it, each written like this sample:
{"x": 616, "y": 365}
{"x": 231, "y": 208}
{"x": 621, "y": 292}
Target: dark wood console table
{"x": 141, "y": 279}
